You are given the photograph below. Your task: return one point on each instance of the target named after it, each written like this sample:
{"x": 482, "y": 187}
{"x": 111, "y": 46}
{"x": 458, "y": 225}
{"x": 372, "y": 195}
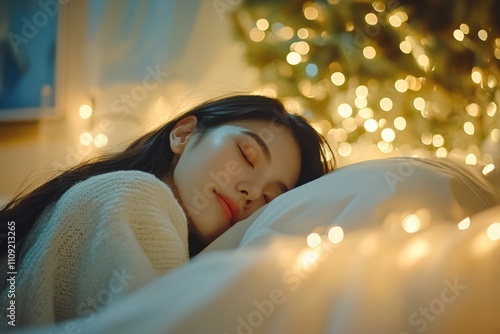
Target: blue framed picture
{"x": 31, "y": 58}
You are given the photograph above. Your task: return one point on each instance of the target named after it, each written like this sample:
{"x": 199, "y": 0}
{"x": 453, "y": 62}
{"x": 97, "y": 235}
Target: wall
{"x": 201, "y": 60}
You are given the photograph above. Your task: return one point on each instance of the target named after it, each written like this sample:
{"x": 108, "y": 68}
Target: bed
{"x": 399, "y": 245}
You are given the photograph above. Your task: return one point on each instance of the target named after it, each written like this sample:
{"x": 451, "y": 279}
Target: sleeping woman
{"x": 108, "y": 226}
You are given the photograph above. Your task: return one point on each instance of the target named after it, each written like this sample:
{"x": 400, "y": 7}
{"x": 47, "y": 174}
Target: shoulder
{"x": 118, "y": 182}
{"x": 125, "y": 190}
{"x": 124, "y": 177}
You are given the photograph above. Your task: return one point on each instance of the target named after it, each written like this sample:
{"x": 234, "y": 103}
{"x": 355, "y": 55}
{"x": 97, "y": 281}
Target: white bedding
{"x": 262, "y": 277}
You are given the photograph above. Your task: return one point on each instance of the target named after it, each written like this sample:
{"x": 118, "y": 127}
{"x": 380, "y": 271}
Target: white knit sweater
{"x": 106, "y": 237}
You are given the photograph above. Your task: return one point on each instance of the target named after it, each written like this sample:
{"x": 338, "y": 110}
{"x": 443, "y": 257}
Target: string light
{"x": 371, "y": 19}
{"x": 361, "y": 93}
{"x": 493, "y": 231}
{"x": 369, "y": 52}
{"x": 85, "y": 111}
{"x": 344, "y": 110}
{"x": 400, "y": 123}
{"x": 401, "y": 85}
{"x": 386, "y": 104}
{"x": 459, "y": 35}
{"x": 482, "y": 34}
{"x": 371, "y": 125}
{"x": 86, "y": 138}
{"x": 313, "y": 240}
{"x": 344, "y": 149}
{"x": 293, "y": 58}
{"x": 336, "y": 234}
{"x": 338, "y": 78}
{"x": 262, "y": 24}
{"x": 411, "y": 223}
{"x": 257, "y": 35}
{"x": 488, "y": 169}
{"x": 100, "y": 140}
{"x": 311, "y": 13}
{"x": 303, "y": 33}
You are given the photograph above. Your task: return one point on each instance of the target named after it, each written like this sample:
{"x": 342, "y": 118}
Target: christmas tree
{"x": 408, "y": 77}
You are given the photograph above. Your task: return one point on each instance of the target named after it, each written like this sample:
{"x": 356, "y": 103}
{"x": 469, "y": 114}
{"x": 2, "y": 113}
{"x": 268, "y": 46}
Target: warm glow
{"x": 437, "y": 140}
{"x": 338, "y": 78}
{"x": 311, "y": 13}
{"x": 344, "y": 110}
{"x": 465, "y": 28}
{"x": 400, "y": 123}
{"x": 426, "y": 138}
{"x": 85, "y": 111}
{"x": 402, "y": 15}
{"x": 286, "y": 33}
{"x": 384, "y": 146}
{"x": 361, "y": 102}
{"x": 476, "y": 75}
{"x": 257, "y": 35}
{"x": 86, "y": 138}
{"x": 482, "y": 34}
{"x": 492, "y": 81}
{"x": 301, "y": 47}
{"x": 423, "y": 60}
{"x": 369, "y": 52}
{"x": 401, "y": 85}
{"x": 395, "y": 21}
{"x": 459, "y": 35}
{"x": 405, "y": 47}
{"x": 100, "y": 140}
{"x": 371, "y": 19}
{"x": 472, "y": 109}
{"x": 413, "y": 83}
{"x": 388, "y": 135}
{"x": 469, "y": 128}
{"x": 488, "y": 169}
{"x": 379, "y": 6}
{"x": 293, "y": 58}
{"x": 362, "y": 91}
{"x": 495, "y": 135}
{"x": 371, "y": 125}
{"x": 262, "y": 24}
{"x": 349, "y": 124}
{"x": 464, "y": 224}
{"x": 493, "y": 231}
{"x": 415, "y": 251}
{"x": 411, "y": 223}
{"x": 344, "y": 149}
{"x": 441, "y": 152}
{"x": 386, "y": 104}
{"x": 313, "y": 240}
{"x": 336, "y": 234}
{"x": 471, "y": 159}
{"x": 365, "y": 113}
{"x": 419, "y": 103}
{"x": 303, "y": 33}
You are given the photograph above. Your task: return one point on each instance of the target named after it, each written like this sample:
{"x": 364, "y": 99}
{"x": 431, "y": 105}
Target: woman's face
{"x": 231, "y": 171}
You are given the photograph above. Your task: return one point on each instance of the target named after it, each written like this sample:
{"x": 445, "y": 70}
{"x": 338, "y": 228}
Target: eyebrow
{"x": 283, "y": 187}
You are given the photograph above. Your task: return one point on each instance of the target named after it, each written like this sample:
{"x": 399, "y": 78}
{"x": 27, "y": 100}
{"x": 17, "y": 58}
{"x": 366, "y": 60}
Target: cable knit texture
{"x": 106, "y": 237}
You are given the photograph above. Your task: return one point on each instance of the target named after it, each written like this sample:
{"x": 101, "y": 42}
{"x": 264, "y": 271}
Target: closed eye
{"x": 267, "y": 199}
{"x": 245, "y": 157}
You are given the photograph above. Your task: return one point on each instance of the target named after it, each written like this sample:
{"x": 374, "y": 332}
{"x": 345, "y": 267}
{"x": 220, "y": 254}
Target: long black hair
{"x": 151, "y": 153}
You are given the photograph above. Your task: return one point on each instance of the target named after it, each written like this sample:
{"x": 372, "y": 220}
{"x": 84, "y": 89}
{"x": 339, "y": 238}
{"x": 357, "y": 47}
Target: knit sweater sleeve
{"x": 106, "y": 237}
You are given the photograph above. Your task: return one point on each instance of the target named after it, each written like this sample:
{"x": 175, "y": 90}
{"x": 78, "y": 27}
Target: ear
{"x": 181, "y": 133}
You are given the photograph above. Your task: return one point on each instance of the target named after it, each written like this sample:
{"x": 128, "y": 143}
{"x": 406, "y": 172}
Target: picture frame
{"x": 33, "y": 40}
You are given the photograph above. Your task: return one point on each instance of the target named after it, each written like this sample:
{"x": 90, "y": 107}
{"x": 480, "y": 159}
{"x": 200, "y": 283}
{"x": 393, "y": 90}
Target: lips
{"x": 229, "y": 207}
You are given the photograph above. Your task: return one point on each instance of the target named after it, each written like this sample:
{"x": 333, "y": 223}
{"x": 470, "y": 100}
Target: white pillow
{"x": 365, "y": 194}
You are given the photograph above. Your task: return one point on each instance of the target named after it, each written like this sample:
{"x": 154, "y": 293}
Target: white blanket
{"x": 392, "y": 258}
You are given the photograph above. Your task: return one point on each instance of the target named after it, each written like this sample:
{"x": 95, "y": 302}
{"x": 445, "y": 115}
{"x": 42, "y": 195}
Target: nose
{"x": 250, "y": 191}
